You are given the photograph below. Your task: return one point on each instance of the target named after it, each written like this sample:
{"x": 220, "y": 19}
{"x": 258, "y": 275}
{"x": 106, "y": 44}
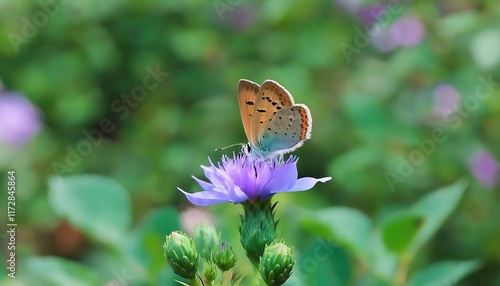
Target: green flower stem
{"x": 257, "y": 229}
{"x": 256, "y": 279}
{"x": 226, "y": 277}
{"x": 195, "y": 282}
{"x": 402, "y": 270}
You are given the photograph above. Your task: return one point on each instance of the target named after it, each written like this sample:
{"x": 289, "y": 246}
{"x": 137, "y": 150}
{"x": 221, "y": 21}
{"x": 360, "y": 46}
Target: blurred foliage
{"x": 378, "y": 222}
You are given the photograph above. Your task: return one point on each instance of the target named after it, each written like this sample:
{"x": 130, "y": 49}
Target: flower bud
{"x": 181, "y": 254}
{"x": 276, "y": 264}
{"x": 209, "y": 272}
{"x": 225, "y": 257}
{"x": 206, "y": 240}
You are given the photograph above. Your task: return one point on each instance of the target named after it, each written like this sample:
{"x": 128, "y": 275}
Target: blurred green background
{"x": 404, "y": 98}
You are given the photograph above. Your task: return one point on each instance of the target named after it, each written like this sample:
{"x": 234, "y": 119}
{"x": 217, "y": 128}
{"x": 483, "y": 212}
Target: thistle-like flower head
{"x": 245, "y": 178}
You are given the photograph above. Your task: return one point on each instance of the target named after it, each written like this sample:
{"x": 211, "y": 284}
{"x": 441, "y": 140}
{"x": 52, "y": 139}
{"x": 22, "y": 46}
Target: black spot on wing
{"x": 261, "y": 110}
{"x": 249, "y": 103}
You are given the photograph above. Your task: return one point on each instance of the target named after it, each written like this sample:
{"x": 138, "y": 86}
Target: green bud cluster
{"x": 183, "y": 255}
{"x": 273, "y": 259}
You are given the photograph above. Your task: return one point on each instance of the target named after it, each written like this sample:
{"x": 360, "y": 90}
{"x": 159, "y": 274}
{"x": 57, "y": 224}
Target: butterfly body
{"x": 273, "y": 123}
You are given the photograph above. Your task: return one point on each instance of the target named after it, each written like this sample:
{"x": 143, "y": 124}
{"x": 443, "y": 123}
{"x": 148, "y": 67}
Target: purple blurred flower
{"x": 245, "y": 178}
{"x": 485, "y": 168}
{"x": 446, "y": 99}
{"x": 243, "y": 17}
{"x": 19, "y": 119}
{"x": 371, "y": 13}
{"x": 382, "y": 40}
{"x": 407, "y": 31}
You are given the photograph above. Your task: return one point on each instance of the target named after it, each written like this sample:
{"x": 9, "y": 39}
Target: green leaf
{"x": 434, "y": 208}
{"x": 398, "y": 233}
{"x": 444, "y": 273}
{"x": 381, "y": 262}
{"x": 455, "y": 24}
{"x": 372, "y": 280}
{"x": 347, "y": 226}
{"x": 146, "y": 240}
{"x": 60, "y": 271}
{"x": 94, "y": 204}
{"x": 322, "y": 262}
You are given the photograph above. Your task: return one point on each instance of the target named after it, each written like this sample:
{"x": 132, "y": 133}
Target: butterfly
{"x": 273, "y": 123}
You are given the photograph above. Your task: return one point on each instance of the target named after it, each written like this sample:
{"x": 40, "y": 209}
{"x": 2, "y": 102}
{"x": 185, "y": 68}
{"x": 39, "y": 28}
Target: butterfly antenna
{"x": 232, "y": 145}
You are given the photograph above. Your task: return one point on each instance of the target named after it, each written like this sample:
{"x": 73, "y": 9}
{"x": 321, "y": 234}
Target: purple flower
{"x": 19, "y": 119}
{"x": 382, "y": 39}
{"x": 485, "y": 168}
{"x": 371, "y": 13}
{"x": 243, "y": 17}
{"x": 407, "y": 31}
{"x": 446, "y": 99}
{"x": 245, "y": 178}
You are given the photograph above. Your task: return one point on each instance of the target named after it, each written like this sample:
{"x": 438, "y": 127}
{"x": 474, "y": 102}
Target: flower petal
{"x": 211, "y": 174}
{"x": 304, "y": 184}
{"x": 283, "y": 179}
{"x": 236, "y": 195}
{"x": 263, "y": 176}
{"x": 217, "y": 176}
{"x": 205, "y": 186}
{"x": 206, "y": 198}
